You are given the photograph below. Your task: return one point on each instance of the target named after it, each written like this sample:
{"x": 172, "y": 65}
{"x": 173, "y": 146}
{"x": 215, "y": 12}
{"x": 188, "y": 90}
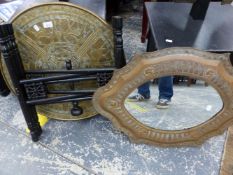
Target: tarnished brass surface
{"x": 49, "y": 34}
{"x": 215, "y": 69}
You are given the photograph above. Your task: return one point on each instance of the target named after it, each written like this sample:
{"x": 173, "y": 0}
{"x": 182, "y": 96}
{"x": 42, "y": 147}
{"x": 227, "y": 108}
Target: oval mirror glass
{"x": 193, "y": 102}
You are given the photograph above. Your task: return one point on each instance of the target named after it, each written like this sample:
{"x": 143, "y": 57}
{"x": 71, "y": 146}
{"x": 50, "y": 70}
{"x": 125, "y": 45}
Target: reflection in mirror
{"x": 189, "y": 107}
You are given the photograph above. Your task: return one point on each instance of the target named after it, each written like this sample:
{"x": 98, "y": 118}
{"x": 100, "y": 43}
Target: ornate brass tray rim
{"x": 59, "y": 3}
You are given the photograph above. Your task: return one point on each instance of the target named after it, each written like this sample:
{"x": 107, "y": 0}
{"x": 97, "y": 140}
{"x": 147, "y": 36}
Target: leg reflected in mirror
{"x": 165, "y": 86}
{"x": 143, "y": 93}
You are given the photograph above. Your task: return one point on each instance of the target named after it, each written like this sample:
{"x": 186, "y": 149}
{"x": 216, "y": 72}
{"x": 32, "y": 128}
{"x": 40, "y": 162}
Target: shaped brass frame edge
{"x": 215, "y": 69}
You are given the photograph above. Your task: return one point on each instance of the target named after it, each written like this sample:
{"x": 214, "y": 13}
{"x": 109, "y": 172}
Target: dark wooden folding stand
{"x": 4, "y": 91}
{"x": 31, "y": 86}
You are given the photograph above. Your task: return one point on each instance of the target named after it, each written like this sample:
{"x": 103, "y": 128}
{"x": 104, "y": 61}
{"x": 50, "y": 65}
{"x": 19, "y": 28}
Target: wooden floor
{"x": 227, "y": 161}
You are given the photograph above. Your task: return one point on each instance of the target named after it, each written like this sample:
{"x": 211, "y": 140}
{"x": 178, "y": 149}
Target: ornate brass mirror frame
{"x": 215, "y": 69}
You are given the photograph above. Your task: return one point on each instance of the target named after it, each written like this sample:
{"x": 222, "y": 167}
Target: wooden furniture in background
{"x": 197, "y": 11}
{"x": 174, "y": 27}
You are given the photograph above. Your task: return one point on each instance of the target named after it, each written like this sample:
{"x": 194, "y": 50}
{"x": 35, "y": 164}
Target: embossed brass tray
{"x": 215, "y": 69}
{"x": 49, "y": 34}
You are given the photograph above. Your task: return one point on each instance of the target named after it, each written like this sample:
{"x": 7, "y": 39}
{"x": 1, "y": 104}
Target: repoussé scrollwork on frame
{"x": 215, "y": 69}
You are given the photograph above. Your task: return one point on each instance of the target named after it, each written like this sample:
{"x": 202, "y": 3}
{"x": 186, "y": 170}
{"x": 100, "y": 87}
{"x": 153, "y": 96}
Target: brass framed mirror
{"x": 212, "y": 116}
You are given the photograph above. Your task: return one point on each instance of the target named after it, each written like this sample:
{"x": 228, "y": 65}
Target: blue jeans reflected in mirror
{"x": 165, "y": 86}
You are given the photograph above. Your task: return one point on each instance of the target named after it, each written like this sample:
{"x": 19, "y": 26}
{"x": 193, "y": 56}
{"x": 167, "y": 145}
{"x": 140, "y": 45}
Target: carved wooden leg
{"x": 199, "y": 9}
{"x": 31, "y": 118}
{"x": 144, "y": 23}
{"x": 4, "y": 91}
{"x": 119, "y": 55}
{"x": 15, "y": 68}
{"x": 151, "y": 46}
{"x": 231, "y": 59}
{"x": 189, "y": 81}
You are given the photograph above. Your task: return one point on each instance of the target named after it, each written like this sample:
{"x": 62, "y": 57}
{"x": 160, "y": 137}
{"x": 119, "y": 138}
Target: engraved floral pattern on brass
{"x": 212, "y": 68}
{"x": 49, "y": 34}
